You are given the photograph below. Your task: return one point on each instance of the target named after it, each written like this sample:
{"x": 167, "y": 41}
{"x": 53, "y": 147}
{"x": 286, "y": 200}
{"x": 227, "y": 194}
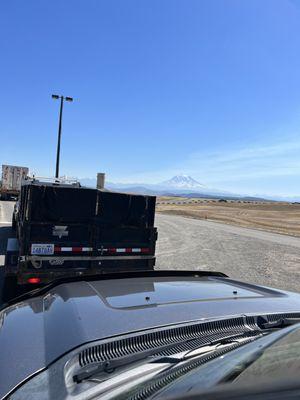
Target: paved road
{"x": 184, "y": 243}
{"x": 252, "y": 255}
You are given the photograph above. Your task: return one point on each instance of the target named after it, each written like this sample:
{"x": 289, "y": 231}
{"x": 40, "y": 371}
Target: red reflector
{"x": 145, "y": 250}
{"x": 34, "y": 280}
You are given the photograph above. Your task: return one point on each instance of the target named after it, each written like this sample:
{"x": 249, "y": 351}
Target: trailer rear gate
{"x": 110, "y": 227}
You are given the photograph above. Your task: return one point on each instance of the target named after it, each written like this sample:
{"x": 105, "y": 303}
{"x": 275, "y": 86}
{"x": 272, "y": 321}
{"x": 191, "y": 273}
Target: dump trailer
{"x": 12, "y": 177}
{"x": 65, "y": 230}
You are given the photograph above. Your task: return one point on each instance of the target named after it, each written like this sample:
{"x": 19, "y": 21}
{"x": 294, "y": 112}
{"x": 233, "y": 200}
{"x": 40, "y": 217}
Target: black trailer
{"x": 66, "y": 230}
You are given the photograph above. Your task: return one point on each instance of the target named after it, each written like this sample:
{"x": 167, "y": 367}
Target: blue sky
{"x": 161, "y": 87}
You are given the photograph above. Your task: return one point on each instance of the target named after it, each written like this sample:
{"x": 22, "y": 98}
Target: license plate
{"x": 42, "y": 249}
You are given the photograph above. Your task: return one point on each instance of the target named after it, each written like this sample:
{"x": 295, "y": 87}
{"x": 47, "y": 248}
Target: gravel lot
{"x": 252, "y": 255}
{"x": 185, "y": 243}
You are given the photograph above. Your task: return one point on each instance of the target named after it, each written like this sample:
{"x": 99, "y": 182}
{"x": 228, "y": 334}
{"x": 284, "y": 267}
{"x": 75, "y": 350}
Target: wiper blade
{"x": 263, "y": 323}
{"x": 203, "y": 350}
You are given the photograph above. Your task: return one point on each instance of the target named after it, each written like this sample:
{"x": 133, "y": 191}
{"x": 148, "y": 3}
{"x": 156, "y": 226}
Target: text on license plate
{"x": 42, "y": 249}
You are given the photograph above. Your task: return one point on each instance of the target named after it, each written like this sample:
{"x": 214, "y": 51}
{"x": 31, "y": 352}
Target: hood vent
{"x": 199, "y": 334}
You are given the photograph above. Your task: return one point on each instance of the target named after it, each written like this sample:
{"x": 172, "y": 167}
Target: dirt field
{"x": 274, "y": 217}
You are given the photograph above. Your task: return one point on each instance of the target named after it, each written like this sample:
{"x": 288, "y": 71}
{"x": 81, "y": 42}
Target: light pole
{"x": 62, "y": 98}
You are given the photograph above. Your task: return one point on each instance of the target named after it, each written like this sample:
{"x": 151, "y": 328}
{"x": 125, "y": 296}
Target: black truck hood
{"x": 36, "y": 332}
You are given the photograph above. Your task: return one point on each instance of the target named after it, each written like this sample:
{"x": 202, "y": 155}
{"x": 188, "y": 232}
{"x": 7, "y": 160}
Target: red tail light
{"x": 34, "y": 280}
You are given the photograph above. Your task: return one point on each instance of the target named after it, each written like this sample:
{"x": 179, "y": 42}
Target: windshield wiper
{"x": 109, "y": 366}
{"x": 263, "y": 323}
{"x": 211, "y": 347}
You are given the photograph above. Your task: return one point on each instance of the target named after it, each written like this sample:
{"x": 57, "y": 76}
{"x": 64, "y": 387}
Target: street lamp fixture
{"x": 62, "y": 98}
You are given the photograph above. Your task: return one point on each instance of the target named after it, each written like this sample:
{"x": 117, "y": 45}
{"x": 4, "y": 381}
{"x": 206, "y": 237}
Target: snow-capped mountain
{"x": 183, "y": 182}
{"x": 179, "y": 185}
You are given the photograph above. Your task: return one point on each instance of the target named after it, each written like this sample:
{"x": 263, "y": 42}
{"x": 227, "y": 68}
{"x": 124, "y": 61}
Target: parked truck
{"x": 65, "y": 230}
{"x": 12, "y": 177}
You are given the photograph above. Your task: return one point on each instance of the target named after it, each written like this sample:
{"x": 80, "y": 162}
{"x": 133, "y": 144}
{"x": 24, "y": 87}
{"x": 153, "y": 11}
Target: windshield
{"x": 149, "y": 179}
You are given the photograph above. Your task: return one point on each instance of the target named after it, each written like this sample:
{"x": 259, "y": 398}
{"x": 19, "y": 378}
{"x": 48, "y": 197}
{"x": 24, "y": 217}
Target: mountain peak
{"x": 183, "y": 182}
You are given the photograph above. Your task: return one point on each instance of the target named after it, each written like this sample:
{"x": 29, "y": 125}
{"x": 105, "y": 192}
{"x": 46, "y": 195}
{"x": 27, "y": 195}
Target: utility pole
{"x": 62, "y": 98}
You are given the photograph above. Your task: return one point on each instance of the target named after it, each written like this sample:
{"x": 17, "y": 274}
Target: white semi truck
{"x": 12, "y": 177}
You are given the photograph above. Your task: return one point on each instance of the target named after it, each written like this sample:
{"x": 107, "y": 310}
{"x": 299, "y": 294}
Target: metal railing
{"x": 64, "y": 180}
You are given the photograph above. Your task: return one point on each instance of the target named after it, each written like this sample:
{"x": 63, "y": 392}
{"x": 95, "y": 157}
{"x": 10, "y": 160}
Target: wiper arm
{"x": 263, "y": 323}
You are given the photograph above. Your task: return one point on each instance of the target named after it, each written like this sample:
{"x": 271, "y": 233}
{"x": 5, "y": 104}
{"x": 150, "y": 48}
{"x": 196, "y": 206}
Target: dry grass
{"x": 270, "y": 216}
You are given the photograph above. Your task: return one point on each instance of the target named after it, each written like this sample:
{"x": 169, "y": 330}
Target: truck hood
{"x": 38, "y": 331}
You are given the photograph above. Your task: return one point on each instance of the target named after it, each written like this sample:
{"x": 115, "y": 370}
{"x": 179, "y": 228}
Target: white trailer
{"x": 12, "y": 177}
